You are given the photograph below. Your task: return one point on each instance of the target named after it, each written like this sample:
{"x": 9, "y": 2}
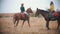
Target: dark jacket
{"x": 22, "y": 9}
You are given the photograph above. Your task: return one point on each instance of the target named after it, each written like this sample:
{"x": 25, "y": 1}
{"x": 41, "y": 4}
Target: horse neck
{"x": 44, "y": 13}
{"x": 27, "y": 13}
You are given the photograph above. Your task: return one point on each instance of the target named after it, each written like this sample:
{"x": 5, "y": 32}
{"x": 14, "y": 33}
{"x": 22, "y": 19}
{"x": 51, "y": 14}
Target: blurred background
{"x": 38, "y": 25}
{"x": 13, "y": 6}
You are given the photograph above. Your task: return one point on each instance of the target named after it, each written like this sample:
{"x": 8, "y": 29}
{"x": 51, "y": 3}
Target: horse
{"x": 45, "y": 14}
{"x": 24, "y": 17}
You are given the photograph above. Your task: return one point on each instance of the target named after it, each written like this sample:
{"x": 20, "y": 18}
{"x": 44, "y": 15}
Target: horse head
{"x": 37, "y": 12}
{"x": 29, "y": 10}
{"x": 40, "y": 11}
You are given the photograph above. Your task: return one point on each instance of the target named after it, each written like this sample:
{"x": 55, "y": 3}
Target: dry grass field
{"x": 38, "y": 26}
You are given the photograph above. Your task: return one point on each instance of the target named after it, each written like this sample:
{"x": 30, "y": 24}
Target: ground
{"x": 38, "y": 26}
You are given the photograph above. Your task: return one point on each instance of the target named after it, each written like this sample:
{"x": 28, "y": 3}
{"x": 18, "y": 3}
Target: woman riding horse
{"x": 22, "y": 8}
{"x": 18, "y": 16}
{"x": 45, "y": 14}
{"x": 51, "y": 10}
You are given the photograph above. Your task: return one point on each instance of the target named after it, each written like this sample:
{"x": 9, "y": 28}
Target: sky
{"x": 13, "y": 6}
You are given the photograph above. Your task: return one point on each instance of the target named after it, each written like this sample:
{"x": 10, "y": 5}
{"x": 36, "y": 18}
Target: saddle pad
{"x": 55, "y": 14}
{"x": 23, "y": 15}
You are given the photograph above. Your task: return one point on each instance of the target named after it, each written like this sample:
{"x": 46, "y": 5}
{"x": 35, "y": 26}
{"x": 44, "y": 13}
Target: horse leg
{"x": 28, "y": 23}
{"x": 14, "y": 21}
{"x": 47, "y": 24}
{"x": 23, "y": 23}
{"x": 17, "y": 22}
{"x": 58, "y": 23}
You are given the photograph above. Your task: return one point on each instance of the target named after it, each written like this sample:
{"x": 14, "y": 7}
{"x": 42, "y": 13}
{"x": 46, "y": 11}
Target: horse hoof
{"x": 29, "y": 26}
{"x": 48, "y": 29}
{"x": 15, "y": 26}
{"x": 57, "y": 28}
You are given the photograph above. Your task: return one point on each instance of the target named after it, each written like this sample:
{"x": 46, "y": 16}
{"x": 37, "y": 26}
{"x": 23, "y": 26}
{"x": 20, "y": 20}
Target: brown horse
{"x": 19, "y": 16}
{"x": 45, "y": 14}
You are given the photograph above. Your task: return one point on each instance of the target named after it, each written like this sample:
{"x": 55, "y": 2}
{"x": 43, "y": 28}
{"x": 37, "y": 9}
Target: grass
{"x": 33, "y": 15}
{"x": 4, "y": 16}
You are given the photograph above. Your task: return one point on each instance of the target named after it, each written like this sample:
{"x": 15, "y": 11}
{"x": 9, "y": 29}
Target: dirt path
{"x": 38, "y": 26}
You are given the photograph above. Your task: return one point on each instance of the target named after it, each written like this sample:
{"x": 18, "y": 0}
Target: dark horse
{"x": 45, "y": 14}
{"x": 20, "y": 16}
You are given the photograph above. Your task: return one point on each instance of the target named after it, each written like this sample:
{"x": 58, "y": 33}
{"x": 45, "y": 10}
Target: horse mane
{"x": 44, "y": 11}
{"x": 29, "y": 10}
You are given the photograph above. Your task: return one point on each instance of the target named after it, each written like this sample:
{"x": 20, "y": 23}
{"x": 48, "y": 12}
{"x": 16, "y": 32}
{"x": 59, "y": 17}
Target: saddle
{"x": 23, "y": 15}
{"x": 53, "y": 15}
